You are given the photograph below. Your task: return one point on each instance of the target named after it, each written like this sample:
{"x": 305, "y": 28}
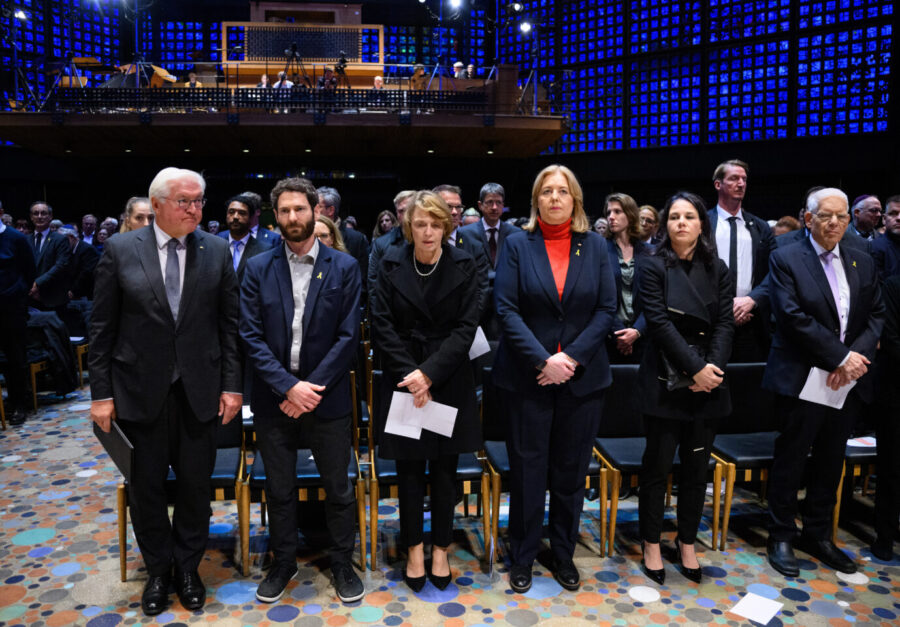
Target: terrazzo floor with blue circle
{"x": 59, "y": 562}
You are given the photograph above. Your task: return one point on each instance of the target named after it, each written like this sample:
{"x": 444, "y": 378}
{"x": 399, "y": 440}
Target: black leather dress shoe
{"x": 155, "y": 598}
{"x": 827, "y": 553}
{"x": 882, "y": 549}
{"x": 520, "y": 578}
{"x": 17, "y": 417}
{"x": 567, "y": 575}
{"x": 190, "y": 589}
{"x": 781, "y": 557}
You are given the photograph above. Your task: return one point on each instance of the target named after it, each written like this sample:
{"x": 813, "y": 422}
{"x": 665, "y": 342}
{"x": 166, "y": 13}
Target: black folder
{"x": 119, "y": 448}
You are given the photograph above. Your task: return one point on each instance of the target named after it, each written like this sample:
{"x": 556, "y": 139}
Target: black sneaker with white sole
{"x": 272, "y": 588}
{"x": 347, "y": 584}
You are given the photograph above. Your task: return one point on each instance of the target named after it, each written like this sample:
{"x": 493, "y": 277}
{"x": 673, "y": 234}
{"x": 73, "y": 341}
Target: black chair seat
{"x": 748, "y": 450}
{"x": 228, "y": 462}
{"x": 307, "y": 475}
{"x": 34, "y": 355}
{"x": 497, "y": 455}
{"x": 385, "y": 469}
{"x": 627, "y": 454}
{"x": 860, "y": 454}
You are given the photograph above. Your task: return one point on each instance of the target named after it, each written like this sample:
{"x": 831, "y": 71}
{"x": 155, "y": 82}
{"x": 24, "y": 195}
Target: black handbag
{"x": 674, "y": 378}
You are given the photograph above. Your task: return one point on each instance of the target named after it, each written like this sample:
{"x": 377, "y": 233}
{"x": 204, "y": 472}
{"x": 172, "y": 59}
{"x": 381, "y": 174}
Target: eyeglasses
{"x": 647, "y": 221}
{"x": 184, "y": 203}
{"x": 456, "y": 207}
{"x": 828, "y": 217}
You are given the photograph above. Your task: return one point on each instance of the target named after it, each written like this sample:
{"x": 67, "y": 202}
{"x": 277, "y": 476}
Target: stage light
{"x": 515, "y": 7}
{"x": 525, "y": 27}
{"x": 421, "y": 1}
{"x": 455, "y": 4}
{"x": 20, "y": 15}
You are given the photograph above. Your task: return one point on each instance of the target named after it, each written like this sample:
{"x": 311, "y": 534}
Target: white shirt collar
{"x": 488, "y": 227}
{"x": 243, "y": 239}
{"x": 162, "y": 238}
{"x": 312, "y": 254}
{"x": 724, "y": 215}
{"x": 819, "y": 249}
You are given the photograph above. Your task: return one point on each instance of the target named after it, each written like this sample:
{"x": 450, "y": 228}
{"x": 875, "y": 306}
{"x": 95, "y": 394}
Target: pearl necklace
{"x": 424, "y": 274}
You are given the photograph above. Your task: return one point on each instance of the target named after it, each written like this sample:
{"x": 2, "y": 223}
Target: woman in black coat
{"x": 685, "y": 297}
{"x": 423, "y": 324}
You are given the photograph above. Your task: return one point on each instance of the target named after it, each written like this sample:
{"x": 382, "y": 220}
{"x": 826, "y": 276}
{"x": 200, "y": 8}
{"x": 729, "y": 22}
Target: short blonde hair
{"x": 580, "y": 222}
{"x": 434, "y": 206}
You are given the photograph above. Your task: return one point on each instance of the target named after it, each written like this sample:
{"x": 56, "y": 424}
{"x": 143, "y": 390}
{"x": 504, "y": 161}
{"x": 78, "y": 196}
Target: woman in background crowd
{"x": 138, "y": 214}
{"x": 649, "y": 218}
{"x": 384, "y": 224}
{"x": 329, "y": 234}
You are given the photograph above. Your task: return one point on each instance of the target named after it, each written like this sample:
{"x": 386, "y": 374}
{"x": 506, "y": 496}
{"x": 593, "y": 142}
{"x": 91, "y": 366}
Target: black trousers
{"x": 887, "y": 490}
{"x": 551, "y": 435}
{"x": 178, "y": 439}
{"x": 693, "y": 439}
{"x": 278, "y": 438}
{"x": 751, "y": 341}
{"x": 807, "y": 426}
{"x": 13, "y": 338}
{"x": 411, "y": 492}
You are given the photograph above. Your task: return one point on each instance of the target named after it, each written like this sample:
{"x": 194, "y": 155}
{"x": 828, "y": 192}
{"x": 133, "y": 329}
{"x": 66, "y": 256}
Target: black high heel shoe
{"x": 694, "y": 574}
{"x": 414, "y": 583}
{"x": 440, "y": 581}
{"x": 657, "y": 576}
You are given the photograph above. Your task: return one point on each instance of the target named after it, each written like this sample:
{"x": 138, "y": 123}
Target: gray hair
{"x": 491, "y": 188}
{"x": 471, "y": 211}
{"x": 403, "y": 197}
{"x": 162, "y": 182}
{"x": 68, "y": 229}
{"x": 330, "y": 197}
{"x": 816, "y": 198}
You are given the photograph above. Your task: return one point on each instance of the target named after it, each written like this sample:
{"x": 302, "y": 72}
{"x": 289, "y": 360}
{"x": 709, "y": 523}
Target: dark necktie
{"x": 492, "y": 245}
{"x": 37, "y": 241}
{"x": 173, "y": 278}
{"x": 732, "y": 251}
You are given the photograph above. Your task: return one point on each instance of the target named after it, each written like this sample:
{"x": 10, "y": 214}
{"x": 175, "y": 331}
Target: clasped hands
{"x": 853, "y": 369}
{"x": 558, "y": 368}
{"x": 418, "y": 384}
{"x": 302, "y": 398}
{"x": 707, "y": 379}
{"x": 742, "y": 308}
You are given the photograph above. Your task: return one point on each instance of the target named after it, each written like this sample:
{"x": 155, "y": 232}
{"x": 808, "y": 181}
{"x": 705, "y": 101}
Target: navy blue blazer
{"x": 886, "y": 252}
{"x": 807, "y": 328}
{"x": 535, "y": 323}
{"x": 640, "y": 248}
{"x": 476, "y": 230}
{"x": 330, "y": 329}
{"x": 263, "y": 236}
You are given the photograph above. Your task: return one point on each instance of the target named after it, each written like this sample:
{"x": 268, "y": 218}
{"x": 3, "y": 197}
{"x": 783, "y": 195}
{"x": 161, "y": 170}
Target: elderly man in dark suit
{"x": 828, "y": 315}
{"x": 357, "y": 245}
{"x": 51, "y": 252}
{"x": 300, "y": 326}
{"x": 164, "y": 362}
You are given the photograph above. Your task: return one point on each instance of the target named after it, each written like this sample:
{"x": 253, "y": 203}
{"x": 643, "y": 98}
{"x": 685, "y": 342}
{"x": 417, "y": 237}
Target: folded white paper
{"x": 816, "y": 391}
{"x": 405, "y": 419}
{"x": 480, "y": 344}
{"x": 246, "y": 412}
{"x": 757, "y": 608}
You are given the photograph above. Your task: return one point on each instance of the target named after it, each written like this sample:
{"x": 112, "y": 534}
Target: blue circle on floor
{"x": 606, "y": 576}
{"x": 763, "y": 590}
{"x": 105, "y": 620}
{"x": 451, "y": 610}
{"x": 714, "y": 571}
{"x": 544, "y": 588}
{"x": 795, "y": 594}
{"x": 826, "y": 609}
{"x": 283, "y": 613}
{"x": 236, "y": 593}
{"x": 883, "y": 613}
{"x": 432, "y": 595}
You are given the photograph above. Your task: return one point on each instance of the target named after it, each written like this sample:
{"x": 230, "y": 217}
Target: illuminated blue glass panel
{"x": 534, "y": 49}
{"x": 748, "y": 92}
{"x": 843, "y": 82}
{"x": 815, "y": 13}
{"x": 738, "y": 19}
{"x": 369, "y": 51}
{"x": 594, "y": 100}
{"x": 235, "y": 37}
{"x": 664, "y": 101}
{"x": 592, "y": 31}
{"x": 664, "y": 24}
{"x": 476, "y": 42}
{"x": 440, "y": 41}
{"x": 399, "y": 47}
{"x": 181, "y": 44}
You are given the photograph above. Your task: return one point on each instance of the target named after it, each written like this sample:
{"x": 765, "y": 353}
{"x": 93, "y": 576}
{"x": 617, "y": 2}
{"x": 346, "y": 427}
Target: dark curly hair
{"x": 705, "y": 250}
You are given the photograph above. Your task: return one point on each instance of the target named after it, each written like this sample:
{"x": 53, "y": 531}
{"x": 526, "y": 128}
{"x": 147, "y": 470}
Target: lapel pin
{"x": 319, "y": 276}
{"x": 201, "y": 248}
{"x": 578, "y": 252}
{"x": 854, "y": 264}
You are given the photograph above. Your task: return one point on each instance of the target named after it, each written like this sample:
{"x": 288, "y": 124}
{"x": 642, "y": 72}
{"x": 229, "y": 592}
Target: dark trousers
{"x": 178, "y": 439}
{"x": 278, "y": 438}
{"x": 807, "y": 426}
{"x": 411, "y": 490}
{"x": 13, "y": 338}
{"x": 551, "y": 435}
{"x": 693, "y": 440}
{"x": 751, "y": 341}
{"x": 887, "y": 490}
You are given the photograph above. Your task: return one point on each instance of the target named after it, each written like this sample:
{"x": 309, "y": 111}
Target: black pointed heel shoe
{"x": 694, "y": 574}
{"x": 414, "y": 583}
{"x": 657, "y": 576}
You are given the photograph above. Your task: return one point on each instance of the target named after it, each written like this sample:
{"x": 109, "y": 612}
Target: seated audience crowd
{"x": 681, "y": 292}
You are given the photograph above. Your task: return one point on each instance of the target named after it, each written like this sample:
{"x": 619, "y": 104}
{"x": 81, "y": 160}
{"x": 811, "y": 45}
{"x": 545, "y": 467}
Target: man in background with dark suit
{"x": 886, "y": 250}
{"x": 49, "y": 291}
{"x": 241, "y": 243}
{"x": 81, "y": 265}
{"x": 357, "y": 245}
{"x": 744, "y": 242}
{"x": 164, "y": 363}
{"x": 17, "y": 272}
{"x": 300, "y": 326}
{"x": 492, "y": 233}
{"x": 394, "y": 237}
{"x": 828, "y": 315}
{"x": 262, "y": 235}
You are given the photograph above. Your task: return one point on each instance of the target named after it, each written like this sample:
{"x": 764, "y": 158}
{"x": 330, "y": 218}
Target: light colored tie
{"x": 831, "y": 275}
{"x": 236, "y": 253}
{"x": 173, "y": 278}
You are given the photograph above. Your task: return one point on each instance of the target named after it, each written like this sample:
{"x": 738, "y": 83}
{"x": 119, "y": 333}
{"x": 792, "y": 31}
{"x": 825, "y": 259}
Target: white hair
{"x": 812, "y": 203}
{"x": 162, "y": 182}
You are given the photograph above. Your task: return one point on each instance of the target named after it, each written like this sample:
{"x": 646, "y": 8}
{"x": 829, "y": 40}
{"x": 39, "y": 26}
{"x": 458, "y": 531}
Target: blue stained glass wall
{"x": 181, "y": 44}
{"x": 477, "y": 42}
{"x": 536, "y": 49}
{"x": 663, "y": 24}
{"x": 595, "y": 100}
{"x": 664, "y": 105}
{"x": 737, "y": 19}
{"x": 592, "y": 31}
{"x": 815, "y": 13}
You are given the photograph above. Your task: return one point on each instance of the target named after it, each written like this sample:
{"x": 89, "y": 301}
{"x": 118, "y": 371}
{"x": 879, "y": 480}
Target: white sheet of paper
{"x": 434, "y": 416}
{"x": 480, "y": 344}
{"x": 866, "y": 441}
{"x": 757, "y": 608}
{"x": 401, "y": 407}
{"x": 246, "y": 412}
{"x": 816, "y": 391}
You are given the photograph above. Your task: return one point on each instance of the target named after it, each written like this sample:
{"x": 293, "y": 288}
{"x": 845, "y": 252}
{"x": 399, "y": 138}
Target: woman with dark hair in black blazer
{"x": 555, "y": 299}
{"x": 685, "y": 297}
{"x": 423, "y": 324}
{"x": 623, "y": 241}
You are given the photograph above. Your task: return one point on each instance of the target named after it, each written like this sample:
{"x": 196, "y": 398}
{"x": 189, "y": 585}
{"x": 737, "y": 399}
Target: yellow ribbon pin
{"x": 578, "y": 253}
{"x": 320, "y": 276}
{"x": 854, "y": 264}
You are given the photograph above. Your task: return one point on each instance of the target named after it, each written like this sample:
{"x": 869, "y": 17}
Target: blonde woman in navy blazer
{"x": 556, "y": 298}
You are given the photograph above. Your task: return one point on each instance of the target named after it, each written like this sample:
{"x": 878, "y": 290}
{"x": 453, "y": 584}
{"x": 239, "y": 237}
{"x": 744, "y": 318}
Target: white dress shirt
{"x": 301, "y": 275}
{"x": 744, "y": 249}
{"x": 162, "y": 240}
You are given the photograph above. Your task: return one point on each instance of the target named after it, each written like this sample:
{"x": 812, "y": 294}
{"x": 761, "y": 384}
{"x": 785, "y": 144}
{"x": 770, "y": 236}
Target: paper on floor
{"x": 757, "y": 608}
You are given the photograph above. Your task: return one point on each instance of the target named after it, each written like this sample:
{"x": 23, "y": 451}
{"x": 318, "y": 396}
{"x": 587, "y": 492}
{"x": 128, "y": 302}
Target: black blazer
{"x": 685, "y": 304}
{"x": 358, "y": 247}
{"x": 640, "y": 249}
{"x": 807, "y": 328}
{"x": 535, "y": 323}
{"x": 251, "y": 249}
{"x": 81, "y": 270}
{"x": 135, "y": 341}
{"x": 889, "y": 353}
{"x": 52, "y": 269}
{"x": 476, "y": 231}
{"x": 850, "y": 239}
{"x": 763, "y": 245}
{"x": 433, "y": 335}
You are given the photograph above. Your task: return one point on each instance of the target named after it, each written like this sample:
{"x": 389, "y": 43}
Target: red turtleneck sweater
{"x": 558, "y": 240}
